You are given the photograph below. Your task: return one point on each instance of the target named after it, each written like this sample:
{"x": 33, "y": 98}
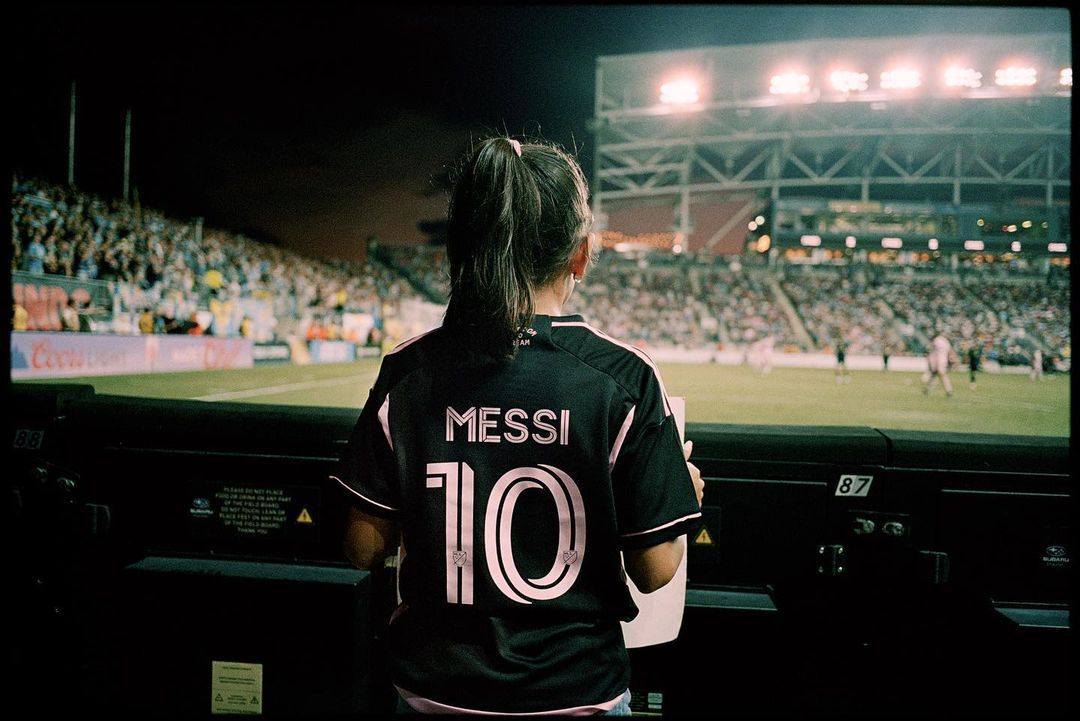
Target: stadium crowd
{"x": 745, "y": 307}
{"x": 649, "y": 304}
{"x": 172, "y": 276}
{"x": 425, "y": 265}
{"x": 836, "y": 309}
{"x": 165, "y": 275}
{"x": 899, "y": 310}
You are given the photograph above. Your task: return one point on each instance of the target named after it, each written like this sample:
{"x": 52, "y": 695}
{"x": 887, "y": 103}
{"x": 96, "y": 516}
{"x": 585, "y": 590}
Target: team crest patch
{"x": 459, "y": 557}
{"x": 569, "y": 557}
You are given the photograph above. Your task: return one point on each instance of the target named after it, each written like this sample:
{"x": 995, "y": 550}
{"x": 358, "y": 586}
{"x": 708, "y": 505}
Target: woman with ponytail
{"x": 521, "y": 463}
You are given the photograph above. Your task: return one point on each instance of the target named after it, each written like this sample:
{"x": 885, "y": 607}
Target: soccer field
{"x": 1007, "y": 404}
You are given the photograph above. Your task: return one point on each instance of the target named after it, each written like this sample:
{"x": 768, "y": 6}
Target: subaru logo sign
{"x": 203, "y": 503}
{"x": 1056, "y": 551}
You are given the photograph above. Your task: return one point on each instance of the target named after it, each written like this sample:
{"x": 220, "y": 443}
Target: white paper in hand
{"x": 661, "y": 612}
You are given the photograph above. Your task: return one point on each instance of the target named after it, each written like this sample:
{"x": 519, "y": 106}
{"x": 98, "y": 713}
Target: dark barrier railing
{"x": 838, "y": 571}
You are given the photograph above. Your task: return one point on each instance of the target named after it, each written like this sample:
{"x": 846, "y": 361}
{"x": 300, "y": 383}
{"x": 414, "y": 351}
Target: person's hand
{"x": 695, "y": 473}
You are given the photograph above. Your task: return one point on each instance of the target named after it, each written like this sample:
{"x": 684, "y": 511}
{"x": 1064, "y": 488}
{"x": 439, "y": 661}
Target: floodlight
{"x": 892, "y": 243}
{"x": 1065, "y": 78}
{"x": 760, "y": 220}
{"x": 973, "y": 245}
{"x": 763, "y": 243}
{"x": 789, "y": 84}
{"x": 1015, "y": 76}
{"x": 1026, "y": 224}
{"x": 958, "y": 77}
{"x": 901, "y": 79}
{"x": 1057, "y": 247}
{"x": 752, "y": 225}
{"x": 811, "y": 241}
{"x": 1015, "y": 246}
{"x": 932, "y": 244}
{"x": 847, "y": 81}
{"x": 679, "y": 92}
{"x": 850, "y": 241}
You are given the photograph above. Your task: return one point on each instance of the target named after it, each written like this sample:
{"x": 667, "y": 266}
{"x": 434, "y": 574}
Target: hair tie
{"x": 516, "y": 146}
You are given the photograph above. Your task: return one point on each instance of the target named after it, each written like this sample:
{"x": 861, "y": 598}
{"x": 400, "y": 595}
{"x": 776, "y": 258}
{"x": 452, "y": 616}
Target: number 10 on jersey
{"x": 458, "y": 480}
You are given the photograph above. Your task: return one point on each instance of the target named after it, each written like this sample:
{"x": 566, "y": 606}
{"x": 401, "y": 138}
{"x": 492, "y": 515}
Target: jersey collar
{"x": 541, "y": 325}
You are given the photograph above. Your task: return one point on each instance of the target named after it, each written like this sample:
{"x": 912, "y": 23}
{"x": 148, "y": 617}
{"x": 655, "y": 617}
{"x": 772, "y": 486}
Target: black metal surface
{"x": 954, "y": 593}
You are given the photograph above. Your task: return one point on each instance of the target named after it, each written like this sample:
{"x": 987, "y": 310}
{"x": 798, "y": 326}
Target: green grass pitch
{"x": 1001, "y": 404}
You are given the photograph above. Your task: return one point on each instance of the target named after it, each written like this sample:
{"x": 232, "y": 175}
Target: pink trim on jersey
{"x": 405, "y": 344}
{"x": 620, "y": 438}
{"x": 384, "y": 419}
{"x": 669, "y": 523}
{"x": 633, "y": 349}
{"x": 361, "y": 495}
{"x": 426, "y": 705}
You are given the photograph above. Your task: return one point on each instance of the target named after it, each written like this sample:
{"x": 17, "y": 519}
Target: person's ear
{"x": 579, "y": 261}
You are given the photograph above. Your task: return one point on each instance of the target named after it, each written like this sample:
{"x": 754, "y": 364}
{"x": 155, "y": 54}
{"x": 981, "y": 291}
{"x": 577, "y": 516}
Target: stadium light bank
{"x": 842, "y": 83}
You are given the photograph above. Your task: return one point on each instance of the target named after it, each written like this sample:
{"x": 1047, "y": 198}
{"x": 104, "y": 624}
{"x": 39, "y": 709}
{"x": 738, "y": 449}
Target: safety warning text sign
{"x": 236, "y": 688}
{"x": 247, "y": 512}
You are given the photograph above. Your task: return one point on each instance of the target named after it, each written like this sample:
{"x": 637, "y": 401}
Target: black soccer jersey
{"x": 515, "y": 487}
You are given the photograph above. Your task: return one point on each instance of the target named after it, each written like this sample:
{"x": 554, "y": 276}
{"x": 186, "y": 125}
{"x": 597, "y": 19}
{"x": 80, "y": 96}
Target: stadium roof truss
{"x": 930, "y": 143}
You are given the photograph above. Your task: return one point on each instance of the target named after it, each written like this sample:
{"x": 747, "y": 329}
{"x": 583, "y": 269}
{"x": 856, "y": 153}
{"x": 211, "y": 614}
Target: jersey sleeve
{"x": 369, "y": 467}
{"x": 654, "y": 494}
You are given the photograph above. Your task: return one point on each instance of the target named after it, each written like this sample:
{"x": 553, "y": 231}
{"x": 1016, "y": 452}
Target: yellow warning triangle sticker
{"x": 304, "y": 517}
{"x": 703, "y": 538}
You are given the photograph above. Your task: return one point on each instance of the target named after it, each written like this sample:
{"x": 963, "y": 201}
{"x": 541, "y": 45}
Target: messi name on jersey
{"x": 514, "y": 425}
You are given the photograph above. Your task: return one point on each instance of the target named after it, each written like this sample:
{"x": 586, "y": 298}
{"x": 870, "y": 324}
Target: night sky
{"x": 317, "y": 126}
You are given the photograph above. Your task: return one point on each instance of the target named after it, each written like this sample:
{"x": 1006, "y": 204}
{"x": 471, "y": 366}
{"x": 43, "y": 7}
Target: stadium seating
{"x": 653, "y": 299}
{"x": 174, "y": 268}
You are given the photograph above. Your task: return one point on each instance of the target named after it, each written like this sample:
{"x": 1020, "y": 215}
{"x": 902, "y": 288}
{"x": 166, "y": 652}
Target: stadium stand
{"x": 658, "y": 299}
{"x": 156, "y": 274}
{"x": 174, "y": 269}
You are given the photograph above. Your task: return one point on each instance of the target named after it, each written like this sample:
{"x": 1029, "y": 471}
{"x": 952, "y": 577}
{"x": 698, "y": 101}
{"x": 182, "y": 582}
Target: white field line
{"x": 274, "y": 390}
{"x": 1026, "y": 405}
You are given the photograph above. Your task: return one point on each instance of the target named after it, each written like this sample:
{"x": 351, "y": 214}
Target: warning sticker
{"x": 253, "y": 511}
{"x": 226, "y": 511}
{"x": 703, "y": 538}
{"x": 236, "y": 688}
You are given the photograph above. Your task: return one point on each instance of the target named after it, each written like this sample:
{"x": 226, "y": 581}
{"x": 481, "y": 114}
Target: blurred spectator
{"x": 69, "y": 317}
{"x": 146, "y": 322}
{"x": 35, "y": 254}
{"x": 19, "y": 317}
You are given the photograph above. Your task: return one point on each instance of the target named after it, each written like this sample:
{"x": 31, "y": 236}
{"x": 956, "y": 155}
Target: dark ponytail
{"x": 517, "y": 213}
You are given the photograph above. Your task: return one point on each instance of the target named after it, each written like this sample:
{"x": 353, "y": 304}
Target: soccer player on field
{"x": 974, "y": 355}
{"x": 1037, "y": 364}
{"x": 514, "y": 453}
{"x": 841, "y": 373}
{"x": 938, "y": 364}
